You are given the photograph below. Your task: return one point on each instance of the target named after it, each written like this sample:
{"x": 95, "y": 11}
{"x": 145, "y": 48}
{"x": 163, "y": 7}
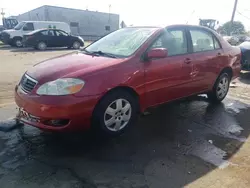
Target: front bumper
{"x": 5, "y": 38}
{"x": 78, "y": 110}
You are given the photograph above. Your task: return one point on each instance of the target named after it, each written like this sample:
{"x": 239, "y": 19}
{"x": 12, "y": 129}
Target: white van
{"x": 14, "y": 36}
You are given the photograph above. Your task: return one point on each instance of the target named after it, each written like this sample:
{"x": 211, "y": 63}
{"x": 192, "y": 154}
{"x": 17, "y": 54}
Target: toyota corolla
{"x": 107, "y": 84}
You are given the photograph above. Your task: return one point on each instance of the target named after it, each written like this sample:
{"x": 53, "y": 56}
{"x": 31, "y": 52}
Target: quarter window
{"x": 174, "y": 41}
{"x": 216, "y": 44}
{"x": 44, "y": 32}
{"x": 203, "y": 41}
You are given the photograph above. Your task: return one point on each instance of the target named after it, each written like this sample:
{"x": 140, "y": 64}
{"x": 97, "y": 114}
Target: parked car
{"x": 112, "y": 80}
{"x": 14, "y": 36}
{"x": 245, "y": 60}
{"x": 43, "y": 38}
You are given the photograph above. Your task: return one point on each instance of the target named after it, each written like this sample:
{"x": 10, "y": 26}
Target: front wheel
{"x": 41, "y": 46}
{"x": 220, "y": 88}
{"x": 115, "y": 113}
{"x": 18, "y": 43}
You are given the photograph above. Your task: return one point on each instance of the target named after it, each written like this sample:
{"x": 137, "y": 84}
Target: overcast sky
{"x": 141, "y": 12}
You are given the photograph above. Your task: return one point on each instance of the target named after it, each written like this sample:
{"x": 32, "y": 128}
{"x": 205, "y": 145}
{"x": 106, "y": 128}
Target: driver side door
{"x": 169, "y": 78}
{"x": 61, "y": 38}
{"x": 28, "y": 27}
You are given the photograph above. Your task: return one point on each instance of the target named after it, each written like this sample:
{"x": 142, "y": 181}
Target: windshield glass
{"x": 19, "y": 26}
{"x": 123, "y": 42}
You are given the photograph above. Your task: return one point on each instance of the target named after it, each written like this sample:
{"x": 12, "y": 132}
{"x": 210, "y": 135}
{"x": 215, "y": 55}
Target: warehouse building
{"x": 91, "y": 25}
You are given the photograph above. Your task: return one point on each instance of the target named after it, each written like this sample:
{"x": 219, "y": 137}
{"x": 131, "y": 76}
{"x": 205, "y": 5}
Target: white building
{"x": 91, "y": 25}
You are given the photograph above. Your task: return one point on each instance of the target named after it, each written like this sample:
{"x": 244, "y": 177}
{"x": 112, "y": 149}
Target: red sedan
{"x": 107, "y": 84}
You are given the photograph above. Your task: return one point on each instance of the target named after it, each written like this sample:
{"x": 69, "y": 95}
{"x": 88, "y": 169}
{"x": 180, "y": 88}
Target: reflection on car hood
{"x": 70, "y": 65}
{"x": 9, "y": 30}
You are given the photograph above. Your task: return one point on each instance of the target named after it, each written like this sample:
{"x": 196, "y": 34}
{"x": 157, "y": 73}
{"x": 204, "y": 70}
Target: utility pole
{"x": 109, "y": 12}
{"x": 233, "y": 13}
{"x": 2, "y": 13}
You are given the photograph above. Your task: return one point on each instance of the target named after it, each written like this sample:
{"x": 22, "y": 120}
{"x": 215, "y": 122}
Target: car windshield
{"x": 19, "y": 26}
{"x": 123, "y": 42}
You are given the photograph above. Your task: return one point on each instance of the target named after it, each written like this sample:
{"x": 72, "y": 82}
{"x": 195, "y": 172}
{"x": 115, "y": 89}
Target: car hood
{"x": 9, "y": 30}
{"x": 70, "y": 65}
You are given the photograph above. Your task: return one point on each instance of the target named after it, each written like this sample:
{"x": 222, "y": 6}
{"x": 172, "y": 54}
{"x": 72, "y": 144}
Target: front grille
{"x": 27, "y": 83}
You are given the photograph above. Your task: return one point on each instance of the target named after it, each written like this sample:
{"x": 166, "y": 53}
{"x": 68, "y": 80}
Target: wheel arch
{"x": 227, "y": 70}
{"x": 17, "y": 37}
{"x": 123, "y": 88}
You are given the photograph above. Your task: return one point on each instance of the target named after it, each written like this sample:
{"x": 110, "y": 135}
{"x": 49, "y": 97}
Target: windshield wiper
{"x": 101, "y": 53}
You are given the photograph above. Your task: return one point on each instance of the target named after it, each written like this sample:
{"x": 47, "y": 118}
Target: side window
{"x": 28, "y": 27}
{"x": 51, "y": 33}
{"x": 174, "y": 41}
{"x": 45, "y": 33}
{"x": 202, "y": 41}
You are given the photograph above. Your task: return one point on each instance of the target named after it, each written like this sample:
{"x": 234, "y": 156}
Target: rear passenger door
{"x": 207, "y": 57}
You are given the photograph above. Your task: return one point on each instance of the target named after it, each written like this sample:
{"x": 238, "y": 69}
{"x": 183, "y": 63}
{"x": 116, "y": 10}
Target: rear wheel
{"x": 115, "y": 113}
{"x": 76, "y": 45}
{"x": 220, "y": 88}
{"x": 41, "y": 46}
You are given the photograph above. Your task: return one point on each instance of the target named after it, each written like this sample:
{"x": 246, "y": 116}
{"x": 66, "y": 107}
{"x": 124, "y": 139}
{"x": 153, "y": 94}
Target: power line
{"x": 243, "y": 15}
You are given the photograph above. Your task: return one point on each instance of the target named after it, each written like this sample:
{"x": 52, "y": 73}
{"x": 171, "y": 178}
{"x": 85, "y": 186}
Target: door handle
{"x": 187, "y": 61}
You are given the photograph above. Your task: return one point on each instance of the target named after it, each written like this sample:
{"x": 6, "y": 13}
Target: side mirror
{"x": 157, "y": 53}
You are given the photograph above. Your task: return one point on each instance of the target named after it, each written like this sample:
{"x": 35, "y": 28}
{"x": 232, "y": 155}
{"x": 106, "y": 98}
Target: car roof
{"x": 174, "y": 25}
{"x": 44, "y": 29}
{"x": 42, "y": 22}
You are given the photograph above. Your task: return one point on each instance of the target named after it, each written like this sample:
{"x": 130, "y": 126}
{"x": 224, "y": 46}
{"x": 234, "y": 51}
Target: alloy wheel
{"x": 76, "y": 45}
{"x": 117, "y": 115}
{"x": 41, "y": 46}
{"x": 222, "y": 88}
{"x": 19, "y": 43}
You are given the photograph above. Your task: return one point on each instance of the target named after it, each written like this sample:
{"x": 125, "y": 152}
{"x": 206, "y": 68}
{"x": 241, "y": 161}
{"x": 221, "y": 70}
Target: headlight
{"x": 64, "y": 86}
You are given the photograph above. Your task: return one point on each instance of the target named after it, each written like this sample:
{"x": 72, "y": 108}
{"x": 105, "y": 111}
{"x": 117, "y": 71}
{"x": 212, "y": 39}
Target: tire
{"x": 220, "y": 88}
{"x": 76, "y": 45}
{"x": 116, "y": 112}
{"x": 18, "y": 42}
{"x": 41, "y": 46}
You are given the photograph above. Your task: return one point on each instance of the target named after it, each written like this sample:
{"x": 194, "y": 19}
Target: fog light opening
{"x": 57, "y": 122}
